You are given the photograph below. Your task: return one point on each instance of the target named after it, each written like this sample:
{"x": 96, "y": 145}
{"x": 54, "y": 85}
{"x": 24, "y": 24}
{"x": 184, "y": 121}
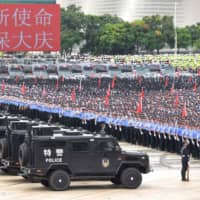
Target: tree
{"x": 183, "y": 38}
{"x": 116, "y": 39}
{"x": 139, "y": 28}
{"x": 93, "y": 26}
{"x": 153, "y": 21}
{"x": 69, "y": 39}
{"x": 72, "y": 27}
{"x": 153, "y": 40}
{"x": 194, "y": 31}
{"x": 168, "y": 30}
{"x": 197, "y": 44}
{"x": 154, "y": 37}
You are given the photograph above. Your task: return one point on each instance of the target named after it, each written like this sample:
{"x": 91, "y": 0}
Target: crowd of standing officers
{"x": 163, "y": 101}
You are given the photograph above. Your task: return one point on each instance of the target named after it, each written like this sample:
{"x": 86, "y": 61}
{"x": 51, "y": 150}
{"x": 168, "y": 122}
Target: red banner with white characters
{"x": 29, "y": 27}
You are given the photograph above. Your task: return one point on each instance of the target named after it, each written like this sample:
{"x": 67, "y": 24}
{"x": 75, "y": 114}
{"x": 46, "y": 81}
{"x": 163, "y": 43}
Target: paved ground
{"x": 164, "y": 183}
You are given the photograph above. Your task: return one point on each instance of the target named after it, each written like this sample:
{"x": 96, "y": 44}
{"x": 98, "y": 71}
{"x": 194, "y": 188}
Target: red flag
{"x": 23, "y": 89}
{"x": 99, "y": 82}
{"x": 184, "y": 111}
{"x": 3, "y": 86}
{"x": 142, "y": 93}
{"x": 44, "y": 92}
{"x": 106, "y": 102}
{"x": 108, "y": 91}
{"x": 195, "y": 87}
{"x": 73, "y": 95}
{"x": 172, "y": 89}
{"x": 139, "y": 106}
{"x": 176, "y": 103}
{"x": 113, "y": 82}
{"x": 57, "y": 84}
{"x": 166, "y": 81}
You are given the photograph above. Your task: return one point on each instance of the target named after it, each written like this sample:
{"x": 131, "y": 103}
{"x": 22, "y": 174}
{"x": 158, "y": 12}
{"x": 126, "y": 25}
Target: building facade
{"x": 186, "y": 11}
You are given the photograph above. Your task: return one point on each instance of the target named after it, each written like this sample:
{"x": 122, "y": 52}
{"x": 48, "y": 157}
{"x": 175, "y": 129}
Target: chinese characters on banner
{"x": 29, "y": 27}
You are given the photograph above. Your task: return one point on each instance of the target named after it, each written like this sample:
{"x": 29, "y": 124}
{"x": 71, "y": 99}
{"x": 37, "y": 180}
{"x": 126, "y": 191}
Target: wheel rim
{"x": 60, "y": 181}
{"x": 132, "y": 180}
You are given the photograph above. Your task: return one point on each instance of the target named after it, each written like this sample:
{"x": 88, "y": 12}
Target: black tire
{"x": 3, "y": 148}
{"x": 59, "y": 180}
{"x": 131, "y": 178}
{"x": 44, "y": 182}
{"x": 116, "y": 181}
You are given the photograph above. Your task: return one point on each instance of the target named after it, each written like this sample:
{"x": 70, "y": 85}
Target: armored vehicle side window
{"x": 106, "y": 146}
{"x": 80, "y": 146}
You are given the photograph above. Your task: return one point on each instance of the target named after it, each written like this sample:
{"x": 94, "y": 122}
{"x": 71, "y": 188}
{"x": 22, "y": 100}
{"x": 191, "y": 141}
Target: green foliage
{"x": 168, "y": 30}
{"x": 94, "y": 25}
{"x": 108, "y": 34}
{"x": 194, "y": 31}
{"x": 197, "y": 44}
{"x": 183, "y": 38}
{"x": 116, "y": 39}
{"x": 139, "y": 28}
{"x": 72, "y": 27}
{"x": 153, "y": 40}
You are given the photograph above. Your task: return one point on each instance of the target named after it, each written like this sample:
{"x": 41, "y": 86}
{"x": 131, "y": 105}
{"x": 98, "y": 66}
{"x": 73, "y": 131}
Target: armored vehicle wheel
{"x": 59, "y": 180}
{"x": 116, "y": 181}
{"x": 131, "y": 178}
{"x": 45, "y": 182}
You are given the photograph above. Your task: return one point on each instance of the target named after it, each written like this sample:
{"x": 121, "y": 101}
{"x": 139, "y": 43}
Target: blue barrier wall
{"x": 193, "y": 134}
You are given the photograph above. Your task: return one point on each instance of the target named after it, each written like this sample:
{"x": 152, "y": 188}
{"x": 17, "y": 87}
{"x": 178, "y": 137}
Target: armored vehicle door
{"x": 106, "y": 157}
{"x": 81, "y": 157}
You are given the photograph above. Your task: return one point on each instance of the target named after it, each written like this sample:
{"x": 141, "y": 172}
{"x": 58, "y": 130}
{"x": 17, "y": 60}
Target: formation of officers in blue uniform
{"x": 155, "y": 140}
{"x": 151, "y": 139}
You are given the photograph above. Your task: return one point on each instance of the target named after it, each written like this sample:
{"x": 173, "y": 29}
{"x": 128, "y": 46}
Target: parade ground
{"x": 164, "y": 183}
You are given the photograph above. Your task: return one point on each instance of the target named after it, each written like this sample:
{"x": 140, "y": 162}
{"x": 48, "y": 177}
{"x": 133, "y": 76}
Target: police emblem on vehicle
{"x": 105, "y": 162}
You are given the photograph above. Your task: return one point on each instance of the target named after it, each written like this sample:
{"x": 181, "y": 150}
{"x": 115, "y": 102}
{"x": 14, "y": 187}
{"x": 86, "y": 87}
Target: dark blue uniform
{"x": 185, "y": 157}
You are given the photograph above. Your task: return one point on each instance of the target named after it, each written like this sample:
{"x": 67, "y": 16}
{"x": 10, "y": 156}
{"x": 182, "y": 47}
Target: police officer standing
{"x": 185, "y": 157}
